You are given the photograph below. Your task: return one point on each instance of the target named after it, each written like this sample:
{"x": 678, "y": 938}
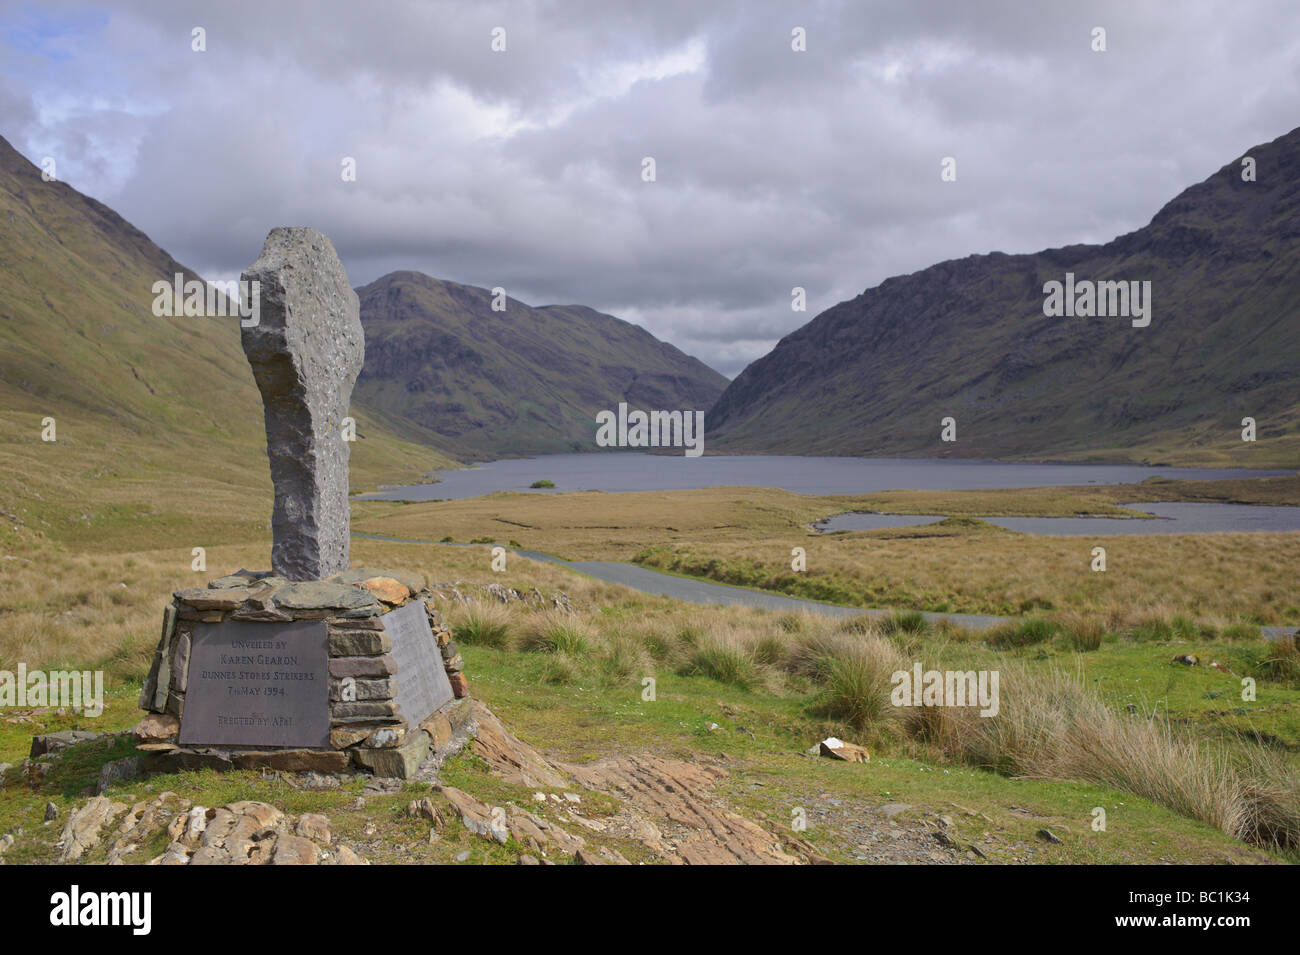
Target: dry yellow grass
{"x": 62, "y": 608}
{"x": 593, "y": 524}
{"x": 599, "y": 525}
{"x": 59, "y": 606}
{"x": 1216, "y": 579}
{"x": 745, "y": 536}
{"x": 1051, "y": 726}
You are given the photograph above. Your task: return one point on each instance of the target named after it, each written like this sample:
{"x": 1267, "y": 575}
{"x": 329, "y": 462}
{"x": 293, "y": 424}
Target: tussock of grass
{"x": 557, "y": 635}
{"x": 561, "y": 669}
{"x": 486, "y": 625}
{"x": 855, "y": 682}
{"x": 770, "y": 649}
{"x": 862, "y": 624}
{"x": 1154, "y": 626}
{"x": 1085, "y": 633}
{"x": 1241, "y": 631}
{"x": 622, "y": 659}
{"x": 725, "y": 661}
{"x": 1021, "y": 633}
{"x": 911, "y": 622}
{"x": 794, "y": 622}
{"x": 1283, "y": 663}
{"x": 662, "y": 645}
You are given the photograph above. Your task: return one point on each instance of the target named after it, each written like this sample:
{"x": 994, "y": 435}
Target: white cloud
{"x": 522, "y": 169}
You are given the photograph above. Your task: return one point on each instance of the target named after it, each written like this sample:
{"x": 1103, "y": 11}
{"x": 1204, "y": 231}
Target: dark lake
{"x": 632, "y": 471}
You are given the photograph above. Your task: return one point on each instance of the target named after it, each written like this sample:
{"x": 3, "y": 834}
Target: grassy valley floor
{"x": 1095, "y": 713}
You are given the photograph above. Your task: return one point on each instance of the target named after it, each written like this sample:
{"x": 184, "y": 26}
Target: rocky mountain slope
{"x": 520, "y": 381}
{"x": 969, "y": 339}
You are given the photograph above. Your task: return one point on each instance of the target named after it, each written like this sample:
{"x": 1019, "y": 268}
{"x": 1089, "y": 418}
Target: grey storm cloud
{"x": 522, "y": 169}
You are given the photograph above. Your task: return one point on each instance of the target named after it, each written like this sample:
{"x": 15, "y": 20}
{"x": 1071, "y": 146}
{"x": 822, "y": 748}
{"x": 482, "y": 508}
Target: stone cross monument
{"x": 306, "y": 351}
{"x": 314, "y": 665}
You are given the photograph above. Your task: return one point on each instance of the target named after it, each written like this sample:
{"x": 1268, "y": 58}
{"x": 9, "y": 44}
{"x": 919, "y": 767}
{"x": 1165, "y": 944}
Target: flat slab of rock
{"x": 319, "y": 594}
{"x": 52, "y": 742}
{"x": 84, "y": 825}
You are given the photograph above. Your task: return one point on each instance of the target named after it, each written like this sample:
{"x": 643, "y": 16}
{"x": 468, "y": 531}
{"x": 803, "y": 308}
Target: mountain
{"x": 520, "y": 381}
{"x": 158, "y": 422}
{"x": 969, "y": 339}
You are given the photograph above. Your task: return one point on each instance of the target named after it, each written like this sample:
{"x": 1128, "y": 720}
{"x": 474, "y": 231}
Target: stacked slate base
{"x": 367, "y": 728}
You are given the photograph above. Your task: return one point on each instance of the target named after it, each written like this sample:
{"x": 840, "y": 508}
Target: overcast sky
{"x": 523, "y": 168}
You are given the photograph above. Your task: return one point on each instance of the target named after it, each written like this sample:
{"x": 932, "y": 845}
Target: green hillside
{"x": 158, "y": 421}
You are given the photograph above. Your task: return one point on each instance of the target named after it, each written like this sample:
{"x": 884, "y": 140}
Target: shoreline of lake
{"x": 1164, "y": 517}
{"x": 619, "y": 472}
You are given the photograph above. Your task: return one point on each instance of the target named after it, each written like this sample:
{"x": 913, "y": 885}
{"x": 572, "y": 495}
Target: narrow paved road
{"x": 697, "y": 591}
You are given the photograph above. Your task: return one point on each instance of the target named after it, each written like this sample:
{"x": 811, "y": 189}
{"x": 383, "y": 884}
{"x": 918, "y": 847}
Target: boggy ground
{"x": 1183, "y": 767}
{"x": 739, "y": 696}
{"x": 745, "y": 537}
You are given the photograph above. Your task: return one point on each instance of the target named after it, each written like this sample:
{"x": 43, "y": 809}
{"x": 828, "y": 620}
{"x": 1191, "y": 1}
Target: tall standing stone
{"x": 306, "y": 351}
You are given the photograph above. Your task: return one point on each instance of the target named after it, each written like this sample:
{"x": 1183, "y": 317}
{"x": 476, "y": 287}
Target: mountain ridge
{"x": 525, "y": 380}
{"x": 967, "y": 338}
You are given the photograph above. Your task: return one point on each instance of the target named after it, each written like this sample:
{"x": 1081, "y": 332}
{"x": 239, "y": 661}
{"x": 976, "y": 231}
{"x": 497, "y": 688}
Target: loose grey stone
{"x": 892, "y": 809}
{"x": 118, "y": 771}
{"x": 317, "y": 781}
{"x": 326, "y": 595}
{"x": 306, "y": 351}
{"x": 384, "y": 785}
{"x": 399, "y": 761}
{"x": 52, "y": 742}
{"x": 240, "y": 578}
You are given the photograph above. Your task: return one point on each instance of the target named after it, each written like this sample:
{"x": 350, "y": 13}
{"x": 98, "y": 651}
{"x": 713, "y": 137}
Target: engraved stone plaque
{"x": 258, "y": 684}
{"x": 422, "y": 684}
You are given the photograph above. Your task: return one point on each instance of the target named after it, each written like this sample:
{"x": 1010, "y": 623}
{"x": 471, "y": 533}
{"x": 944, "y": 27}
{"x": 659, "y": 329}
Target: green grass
{"x": 761, "y": 731}
{"x": 1022, "y": 633}
{"x": 725, "y": 663}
